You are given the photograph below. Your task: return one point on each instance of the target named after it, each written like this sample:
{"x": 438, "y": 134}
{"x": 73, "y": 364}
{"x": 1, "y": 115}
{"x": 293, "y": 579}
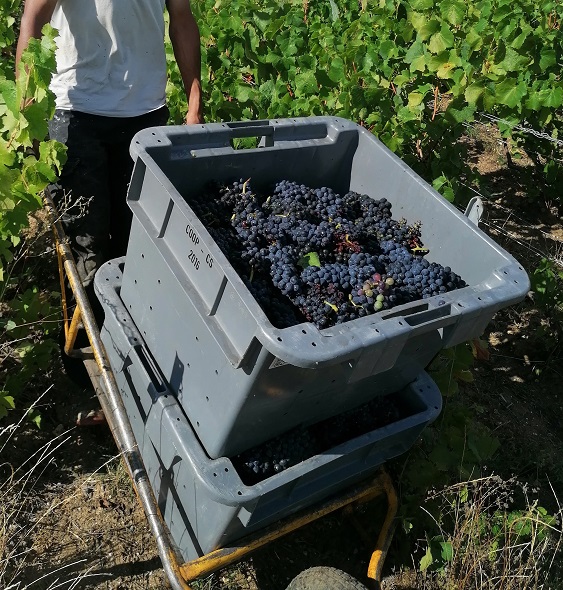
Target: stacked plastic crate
{"x": 203, "y": 372}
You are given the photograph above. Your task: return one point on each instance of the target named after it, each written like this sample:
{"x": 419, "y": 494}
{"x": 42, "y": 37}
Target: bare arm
{"x": 184, "y": 34}
{"x": 36, "y": 14}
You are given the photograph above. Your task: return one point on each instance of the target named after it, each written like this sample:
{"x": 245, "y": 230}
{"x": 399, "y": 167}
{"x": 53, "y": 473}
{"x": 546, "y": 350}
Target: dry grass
{"x": 22, "y": 513}
{"x": 497, "y": 538}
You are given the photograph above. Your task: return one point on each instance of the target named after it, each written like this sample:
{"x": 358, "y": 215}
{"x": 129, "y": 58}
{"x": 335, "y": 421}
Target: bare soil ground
{"x": 80, "y": 526}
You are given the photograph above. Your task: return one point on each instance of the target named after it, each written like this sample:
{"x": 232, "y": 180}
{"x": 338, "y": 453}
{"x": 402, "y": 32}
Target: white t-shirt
{"x": 110, "y": 56}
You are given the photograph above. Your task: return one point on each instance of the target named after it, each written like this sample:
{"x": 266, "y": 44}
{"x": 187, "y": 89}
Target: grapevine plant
{"x": 413, "y": 72}
{"x": 27, "y": 165}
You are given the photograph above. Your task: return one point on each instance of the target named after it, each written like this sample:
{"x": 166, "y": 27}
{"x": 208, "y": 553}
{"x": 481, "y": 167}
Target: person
{"x": 109, "y": 83}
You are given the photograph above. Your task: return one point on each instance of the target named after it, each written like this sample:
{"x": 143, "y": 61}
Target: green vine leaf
{"x": 441, "y": 40}
{"x": 510, "y": 92}
{"x": 453, "y": 11}
{"x": 309, "y": 259}
{"x": 8, "y": 96}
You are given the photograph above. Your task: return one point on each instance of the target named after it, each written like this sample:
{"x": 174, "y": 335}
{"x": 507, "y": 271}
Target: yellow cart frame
{"x": 96, "y": 361}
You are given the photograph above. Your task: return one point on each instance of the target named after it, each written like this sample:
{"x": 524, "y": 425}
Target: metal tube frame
{"x": 103, "y": 380}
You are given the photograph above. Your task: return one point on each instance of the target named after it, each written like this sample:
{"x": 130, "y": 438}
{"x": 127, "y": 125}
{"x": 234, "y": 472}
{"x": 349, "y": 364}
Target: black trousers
{"x": 90, "y": 193}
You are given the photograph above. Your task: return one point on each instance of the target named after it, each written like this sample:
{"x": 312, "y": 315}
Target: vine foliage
{"x": 414, "y": 72}
{"x": 28, "y": 164}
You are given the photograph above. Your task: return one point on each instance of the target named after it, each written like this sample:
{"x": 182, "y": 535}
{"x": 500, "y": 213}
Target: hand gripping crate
{"x": 239, "y": 379}
{"x": 203, "y": 501}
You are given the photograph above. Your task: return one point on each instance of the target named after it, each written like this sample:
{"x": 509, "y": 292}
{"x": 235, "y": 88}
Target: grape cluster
{"x": 299, "y": 444}
{"x": 276, "y": 455}
{"x": 310, "y": 254}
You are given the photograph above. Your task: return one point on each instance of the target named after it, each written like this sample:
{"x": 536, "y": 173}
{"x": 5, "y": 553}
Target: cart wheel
{"x": 324, "y": 578}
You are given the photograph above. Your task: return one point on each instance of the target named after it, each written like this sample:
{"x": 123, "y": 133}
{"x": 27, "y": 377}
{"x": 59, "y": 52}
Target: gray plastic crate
{"x": 239, "y": 379}
{"x": 203, "y": 501}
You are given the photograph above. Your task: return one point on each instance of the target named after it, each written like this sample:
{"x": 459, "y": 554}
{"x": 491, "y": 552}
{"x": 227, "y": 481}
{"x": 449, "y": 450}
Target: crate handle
{"x": 278, "y": 131}
{"x": 474, "y": 210}
{"x": 433, "y": 318}
{"x": 250, "y": 129}
{"x": 421, "y": 314}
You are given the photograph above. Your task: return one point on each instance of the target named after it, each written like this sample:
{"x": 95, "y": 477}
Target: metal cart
{"x": 101, "y": 374}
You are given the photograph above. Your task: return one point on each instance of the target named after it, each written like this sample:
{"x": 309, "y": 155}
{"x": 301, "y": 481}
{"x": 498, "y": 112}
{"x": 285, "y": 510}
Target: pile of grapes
{"x": 313, "y": 255}
{"x": 300, "y": 444}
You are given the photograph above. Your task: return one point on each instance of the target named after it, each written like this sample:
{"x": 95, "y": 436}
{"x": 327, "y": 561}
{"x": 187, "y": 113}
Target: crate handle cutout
{"x": 420, "y": 314}
{"x": 150, "y": 371}
{"x": 250, "y": 129}
{"x": 266, "y": 133}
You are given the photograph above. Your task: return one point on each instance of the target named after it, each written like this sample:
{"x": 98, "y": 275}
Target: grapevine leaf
{"x": 479, "y": 349}
{"x": 458, "y": 112}
{"x": 243, "y": 92}
{"x": 387, "y": 49}
{"x": 414, "y": 52}
{"x": 253, "y": 41}
{"x": 307, "y": 62}
{"x": 474, "y": 92}
{"x": 503, "y": 12}
{"x": 443, "y": 63}
{"x": 401, "y": 80}
{"x": 7, "y": 204}
{"x": 415, "y": 98}
{"x": 512, "y": 62}
{"x": 426, "y": 560}
{"x": 267, "y": 91}
{"x": 39, "y": 57}
{"x": 520, "y": 39}
{"x": 37, "y": 128}
{"x": 419, "y": 64}
{"x": 335, "y": 13}
{"x": 11, "y": 122}
{"x": 441, "y": 41}
{"x": 424, "y": 26}
{"x": 8, "y": 96}
{"x": 548, "y": 58}
{"x": 453, "y": 11}
{"x": 421, "y": 4}
{"x": 309, "y": 259}
{"x": 35, "y": 417}
{"x": 8, "y": 179}
{"x": 443, "y": 186}
{"x": 262, "y": 20}
{"x": 464, "y": 494}
{"x": 15, "y": 222}
{"x": 6, "y": 401}
{"x": 336, "y": 70}
{"x": 448, "y": 194}
{"x": 306, "y": 83}
{"x": 473, "y": 40}
{"x": 7, "y": 156}
{"x": 510, "y": 92}
{"x": 551, "y": 97}
{"x": 37, "y": 175}
{"x": 53, "y": 153}
{"x": 286, "y": 45}
{"x": 447, "y": 551}
{"x": 446, "y": 70}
